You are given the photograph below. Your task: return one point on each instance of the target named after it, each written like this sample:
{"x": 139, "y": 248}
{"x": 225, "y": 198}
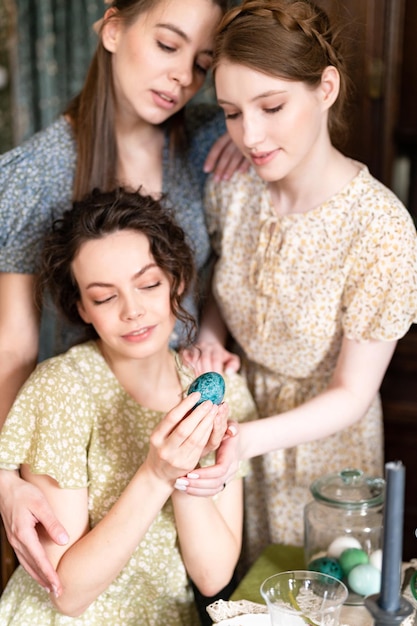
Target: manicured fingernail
{"x": 232, "y": 430}
{"x": 55, "y": 590}
{"x": 47, "y": 589}
{"x": 63, "y": 539}
{"x": 181, "y": 484}
{"x": 193, "y": 475}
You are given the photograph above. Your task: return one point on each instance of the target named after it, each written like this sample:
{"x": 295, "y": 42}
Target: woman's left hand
{"x": 210, "y": 356}
{"x": 224, "y": 159}
{"x": 208, "y": 481}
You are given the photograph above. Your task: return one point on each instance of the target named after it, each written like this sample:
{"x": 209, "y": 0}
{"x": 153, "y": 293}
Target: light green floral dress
{"x": 289, "y": 289}
{"x": 73, "y": 421}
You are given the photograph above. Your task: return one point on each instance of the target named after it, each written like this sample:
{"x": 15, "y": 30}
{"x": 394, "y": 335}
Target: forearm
{"x": 327, "y": 413}
{"x": 19, "y": 336}
{"x": 210, "y": 545}
{"x": 356, "y": 381}
{"x": 8, "y": 479}
{"x": 90, "y": 565}
{"x": 13, "y": 373}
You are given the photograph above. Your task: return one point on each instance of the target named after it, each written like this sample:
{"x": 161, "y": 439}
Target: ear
{"x": 111, "y": 30}
{"x": 83, "y": 313}
{"x": 330, "y": 85}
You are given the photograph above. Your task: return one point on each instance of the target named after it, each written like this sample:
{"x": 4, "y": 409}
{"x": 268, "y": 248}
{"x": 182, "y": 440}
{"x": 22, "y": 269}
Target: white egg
{"x": 375, "y": 559}
{"x": 340, "y": 544}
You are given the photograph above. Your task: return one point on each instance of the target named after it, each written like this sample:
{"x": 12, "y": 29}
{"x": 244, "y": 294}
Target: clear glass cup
{"x": 299, "y": 597}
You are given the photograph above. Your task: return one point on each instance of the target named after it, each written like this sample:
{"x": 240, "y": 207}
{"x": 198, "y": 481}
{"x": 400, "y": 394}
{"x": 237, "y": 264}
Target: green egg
{"x": 211, "y": 385}
{"x": 351, "y": 557}
{"x": 326, "y": 565}
{"x": 365, "y": 579}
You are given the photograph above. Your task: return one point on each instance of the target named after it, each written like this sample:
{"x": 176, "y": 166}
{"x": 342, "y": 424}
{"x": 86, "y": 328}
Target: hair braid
{"x": 292, "y": 39}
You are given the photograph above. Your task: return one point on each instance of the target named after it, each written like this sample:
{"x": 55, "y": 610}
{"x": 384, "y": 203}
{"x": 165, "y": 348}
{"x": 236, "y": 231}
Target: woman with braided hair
{"x": 316, "y": 277}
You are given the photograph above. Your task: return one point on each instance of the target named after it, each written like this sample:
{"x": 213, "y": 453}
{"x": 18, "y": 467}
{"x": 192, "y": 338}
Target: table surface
{"x": 277, "y": 558}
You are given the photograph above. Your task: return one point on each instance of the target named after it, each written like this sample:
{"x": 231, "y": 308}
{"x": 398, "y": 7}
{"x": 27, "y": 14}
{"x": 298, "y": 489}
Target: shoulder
{"x": 67, "y": 373}
{"x": 36, "y": 180}
{"x": 227, "y": 195}
{"x": 376, "y": 200}
{"x": 43, "y": 148}
{"x": 37, "y": 174}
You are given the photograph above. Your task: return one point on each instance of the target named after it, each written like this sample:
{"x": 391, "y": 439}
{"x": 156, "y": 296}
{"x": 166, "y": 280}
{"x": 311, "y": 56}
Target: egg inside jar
{"x": 343, "y": 531}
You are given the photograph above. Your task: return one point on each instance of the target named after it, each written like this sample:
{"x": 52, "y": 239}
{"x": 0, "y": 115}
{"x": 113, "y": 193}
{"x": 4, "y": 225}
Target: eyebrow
{"x": 137, "y": 275}
{"x": 182, "y": 34}
{"x": 265, "y": 94}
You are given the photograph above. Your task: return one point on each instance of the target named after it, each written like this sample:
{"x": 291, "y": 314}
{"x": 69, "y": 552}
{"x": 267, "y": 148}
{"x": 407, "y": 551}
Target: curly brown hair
{"x": 99, "y": 214}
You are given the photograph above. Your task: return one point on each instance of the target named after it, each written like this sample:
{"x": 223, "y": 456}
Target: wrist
{"x": 8, "y": 480}
{"x": 9, "y": 476}
{"x": 154, "y": 481}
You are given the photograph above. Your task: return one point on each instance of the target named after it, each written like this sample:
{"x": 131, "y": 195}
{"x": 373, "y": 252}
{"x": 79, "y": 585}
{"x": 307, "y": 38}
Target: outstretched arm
{"x": 19, "y": 330}
{"x": 23, "y": 508}
{"x": 358, "y": 375}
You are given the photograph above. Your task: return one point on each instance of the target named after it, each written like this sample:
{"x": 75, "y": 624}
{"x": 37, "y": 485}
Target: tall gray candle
{"x": 389, "y": 599}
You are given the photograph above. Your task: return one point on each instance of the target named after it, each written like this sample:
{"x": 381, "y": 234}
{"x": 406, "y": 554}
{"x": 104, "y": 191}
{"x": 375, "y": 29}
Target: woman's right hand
{"x": 26, "y": 513}
{"x": 181, "y": 438}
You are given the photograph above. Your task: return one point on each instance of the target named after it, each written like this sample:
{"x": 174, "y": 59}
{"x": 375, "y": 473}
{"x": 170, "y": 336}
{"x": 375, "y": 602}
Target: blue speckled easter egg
{"x": 326, "y": 565}
{"x": 365, "y": 580}
{"x": 211, "y": 386}
{"x": 351, "y": 557}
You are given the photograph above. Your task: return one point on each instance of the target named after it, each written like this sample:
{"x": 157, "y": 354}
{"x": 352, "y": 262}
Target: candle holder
{"x": 388, "y": 618}
{"x": 390, "y": 608}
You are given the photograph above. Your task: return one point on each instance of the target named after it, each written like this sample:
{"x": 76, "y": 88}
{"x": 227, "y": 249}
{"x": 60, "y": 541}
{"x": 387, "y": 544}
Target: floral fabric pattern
{"x": 70, "y": 410}
{"x": 290, "y": 287}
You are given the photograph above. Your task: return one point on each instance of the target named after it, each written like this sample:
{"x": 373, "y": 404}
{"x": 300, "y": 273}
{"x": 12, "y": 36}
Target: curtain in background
{"x": 48, "y": 44}
{"x": 55, "y": 42}
{"x": 6, "y": 41}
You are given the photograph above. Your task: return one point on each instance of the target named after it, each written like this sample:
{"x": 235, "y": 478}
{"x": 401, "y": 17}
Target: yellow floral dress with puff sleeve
{"x": 74, "y": 422}
{"x": 289, "y": 288}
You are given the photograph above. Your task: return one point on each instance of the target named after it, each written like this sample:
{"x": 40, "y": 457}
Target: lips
{"x": 139, "y": 334}
{"x": 262, "y": 158}
{"x": 165, "y": 99}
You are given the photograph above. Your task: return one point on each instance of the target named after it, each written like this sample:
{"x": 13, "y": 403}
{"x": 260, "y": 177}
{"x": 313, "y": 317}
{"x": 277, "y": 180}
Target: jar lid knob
{"x": 351, "y": 476}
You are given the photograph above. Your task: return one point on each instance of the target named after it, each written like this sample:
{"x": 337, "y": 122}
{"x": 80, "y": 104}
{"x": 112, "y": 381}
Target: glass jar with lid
{"x": 343, "y": 529}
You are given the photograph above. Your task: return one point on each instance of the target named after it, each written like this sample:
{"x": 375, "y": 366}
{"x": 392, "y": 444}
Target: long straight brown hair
{"x": 92, "y": 112}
